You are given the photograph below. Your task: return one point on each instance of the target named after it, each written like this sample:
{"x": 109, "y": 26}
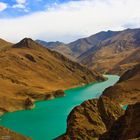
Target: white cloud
{"x": 134, "y": 23}
{"x": 3, "y": 6}
{"x": 66, "y": 22}
{"x": 20, "y": 4}
{"x": 21, "y": 1}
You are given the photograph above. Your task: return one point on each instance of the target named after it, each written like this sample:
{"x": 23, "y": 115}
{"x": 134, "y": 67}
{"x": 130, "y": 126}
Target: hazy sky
{"x": 65, "y": 20}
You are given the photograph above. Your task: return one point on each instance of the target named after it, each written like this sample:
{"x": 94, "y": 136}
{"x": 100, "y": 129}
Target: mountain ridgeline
{"x": 119, "y": 48}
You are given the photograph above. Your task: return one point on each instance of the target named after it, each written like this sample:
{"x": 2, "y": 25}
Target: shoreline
{"x": 54, "y": 96}
{"x": 51, "y": 96}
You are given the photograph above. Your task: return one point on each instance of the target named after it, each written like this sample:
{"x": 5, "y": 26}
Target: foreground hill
{"x": 127, "y": 90}
{"x": 30, "y": 72}
{"x": 91, "y": 119}
{"x": 127, "y": 127}
{"x": 120, "y": 50}
{"x": 104, "y": 118}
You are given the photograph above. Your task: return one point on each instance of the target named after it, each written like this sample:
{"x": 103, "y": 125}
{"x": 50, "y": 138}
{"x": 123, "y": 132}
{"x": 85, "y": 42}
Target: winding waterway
{"x": 48, "y": 119}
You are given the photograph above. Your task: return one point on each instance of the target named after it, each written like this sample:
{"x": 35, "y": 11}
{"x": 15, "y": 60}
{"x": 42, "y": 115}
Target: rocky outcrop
{"x": 91, "y": 119}
{"x": 59, "y": 93}
{"x": 103, "y": 119}
{"x": 54, "y": 94}
{"x": 6, "y": 134}
{"x": 127, "y": 89}
{"x": 127, "y": 126}
{"x": 2, "y": 111}
{"x": 29, "y": 104}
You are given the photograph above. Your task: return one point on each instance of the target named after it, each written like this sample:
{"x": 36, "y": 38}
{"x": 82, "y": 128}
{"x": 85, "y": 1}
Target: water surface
{"x": 48, "y": 119}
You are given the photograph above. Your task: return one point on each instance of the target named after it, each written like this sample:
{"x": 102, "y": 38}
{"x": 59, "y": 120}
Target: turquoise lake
{"x": 48, "y": 119}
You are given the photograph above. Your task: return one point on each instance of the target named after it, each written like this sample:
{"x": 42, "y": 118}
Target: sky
{"x": 65, "y": 20}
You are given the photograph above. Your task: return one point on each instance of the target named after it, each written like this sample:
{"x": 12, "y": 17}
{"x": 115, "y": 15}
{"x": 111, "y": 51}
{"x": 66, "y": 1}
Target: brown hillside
{"x": 103, "y": 119}
{"x": 91, "y": 119}
{"x": 4, "y": 44}
{"x": 129, "y": 62}
{"x": 115, "y": 54}
{"x": 127, "y": 127}
{"x": 29, "y": 71}
{"x": 58, "y": 47}
{"x": 127, "y": 90}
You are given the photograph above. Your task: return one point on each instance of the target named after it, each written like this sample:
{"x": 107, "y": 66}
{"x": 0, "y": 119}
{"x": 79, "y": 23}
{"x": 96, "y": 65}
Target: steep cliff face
{"x": 28, "y": 70}
{"x": 91, "y": 119}
{"x": 6, "y": 134}
{"x": 127, "y": 90}
{"x": 127, "y": 126}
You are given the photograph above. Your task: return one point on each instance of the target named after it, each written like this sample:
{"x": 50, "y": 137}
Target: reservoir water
{"x": 48, "y": 119}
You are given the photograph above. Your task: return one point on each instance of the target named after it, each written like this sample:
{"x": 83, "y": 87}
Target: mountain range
{"x": 107, "y": 52}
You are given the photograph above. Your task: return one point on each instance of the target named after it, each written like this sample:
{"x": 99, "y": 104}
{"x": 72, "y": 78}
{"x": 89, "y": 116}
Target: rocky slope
{"x": 119, "y": 50}
{"x": 58, "y": 47}
{"x": 127, "y": 63}
{"x": 127, "y": 89}
{"x": 6, "y": 134}
{"x": 31, "y": 72}
{"x": 91, "y": 119}
{"x": 82, "y": 45}
{"x": 49, "y": 45}
{"x": 126, "y": 127}
{"x": 104, "y": 118}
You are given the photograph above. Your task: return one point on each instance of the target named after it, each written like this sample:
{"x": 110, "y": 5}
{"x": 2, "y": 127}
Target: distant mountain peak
{"x": 51, "y": 44}
{"x": 26, "y": 43}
